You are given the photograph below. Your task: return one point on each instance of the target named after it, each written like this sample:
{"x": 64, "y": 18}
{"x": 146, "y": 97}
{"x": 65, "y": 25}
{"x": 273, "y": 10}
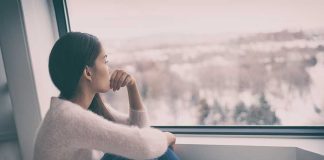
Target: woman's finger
{"x": 112, "y": 77}
{"x": 115, "y": 81}
{"x": 125, "y": 81}
{"x": 121, "y": 80}
{"x": 128, "y": 80}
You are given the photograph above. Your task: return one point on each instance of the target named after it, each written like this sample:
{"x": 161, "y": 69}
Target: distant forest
{"x": 250, "y": 79}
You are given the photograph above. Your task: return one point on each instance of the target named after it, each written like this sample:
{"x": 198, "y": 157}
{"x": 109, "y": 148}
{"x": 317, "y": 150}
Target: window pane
{"x": 214, "y": 62}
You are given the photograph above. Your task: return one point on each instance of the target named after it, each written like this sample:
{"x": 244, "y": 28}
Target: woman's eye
{"x": 106, "y": 59}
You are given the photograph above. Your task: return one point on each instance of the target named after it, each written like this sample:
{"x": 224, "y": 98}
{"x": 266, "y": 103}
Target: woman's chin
{"x": 104, "y": 90}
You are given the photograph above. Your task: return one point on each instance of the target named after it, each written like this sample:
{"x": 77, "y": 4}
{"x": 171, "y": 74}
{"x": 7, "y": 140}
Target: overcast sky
{"x": 129, "y": 18}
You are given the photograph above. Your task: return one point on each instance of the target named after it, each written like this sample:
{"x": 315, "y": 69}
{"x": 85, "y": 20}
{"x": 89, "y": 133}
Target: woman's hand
{"x": 171, "y": 139}
{"x": 120, "y": 78}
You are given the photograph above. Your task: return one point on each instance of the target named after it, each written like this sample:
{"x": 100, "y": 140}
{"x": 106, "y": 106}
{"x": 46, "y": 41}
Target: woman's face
{"x": 100, "y": 73}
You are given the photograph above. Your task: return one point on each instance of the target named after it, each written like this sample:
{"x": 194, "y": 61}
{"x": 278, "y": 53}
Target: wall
{"x": 27, "y": 35}
{"x": 9, "y": 147}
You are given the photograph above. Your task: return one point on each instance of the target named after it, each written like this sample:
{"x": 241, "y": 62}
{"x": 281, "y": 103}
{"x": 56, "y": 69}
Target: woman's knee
{"x": 169, "y": 155}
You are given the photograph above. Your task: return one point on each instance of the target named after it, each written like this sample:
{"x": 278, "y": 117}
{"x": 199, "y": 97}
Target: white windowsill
{"x": 312, "y": 144}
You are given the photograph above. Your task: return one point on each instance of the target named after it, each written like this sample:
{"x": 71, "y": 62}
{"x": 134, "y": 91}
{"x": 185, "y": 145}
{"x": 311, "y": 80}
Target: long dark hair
{"x": 68, "y": 58}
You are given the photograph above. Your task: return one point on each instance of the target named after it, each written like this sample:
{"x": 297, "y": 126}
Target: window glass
{"x": 214, "y": 62}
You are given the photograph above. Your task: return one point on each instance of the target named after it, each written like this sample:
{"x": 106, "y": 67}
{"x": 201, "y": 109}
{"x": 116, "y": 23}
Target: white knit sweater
{"x": 69, "y": 132}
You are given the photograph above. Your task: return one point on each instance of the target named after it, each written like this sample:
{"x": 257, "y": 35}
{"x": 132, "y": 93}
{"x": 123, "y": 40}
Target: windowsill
{"x": 220, "y": 144}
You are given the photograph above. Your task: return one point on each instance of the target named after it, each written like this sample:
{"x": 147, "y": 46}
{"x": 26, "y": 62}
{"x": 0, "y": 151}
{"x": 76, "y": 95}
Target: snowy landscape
{"x": 214, "y": 62}
{"x": 257, "y": 79}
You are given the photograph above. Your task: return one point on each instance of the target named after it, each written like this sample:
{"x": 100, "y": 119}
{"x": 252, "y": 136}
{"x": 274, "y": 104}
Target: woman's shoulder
{"x": 60, "y": 108}
{"x": 60, "y": 114}
{"x": 67, "y": 112}
{"x": 58, "y": 122}
{"x": 61, "y": 118}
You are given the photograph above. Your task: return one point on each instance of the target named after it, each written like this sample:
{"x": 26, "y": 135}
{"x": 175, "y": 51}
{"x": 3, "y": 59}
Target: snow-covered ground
{"x": 177, "y": 78}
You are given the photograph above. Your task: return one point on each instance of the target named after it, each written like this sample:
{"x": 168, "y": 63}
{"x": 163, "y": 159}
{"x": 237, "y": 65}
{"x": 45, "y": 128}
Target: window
{"x": 214, "y": 63}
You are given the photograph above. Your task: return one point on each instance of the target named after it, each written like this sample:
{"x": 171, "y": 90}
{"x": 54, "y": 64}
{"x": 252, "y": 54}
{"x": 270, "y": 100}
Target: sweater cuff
{"x": 139, "y": 118}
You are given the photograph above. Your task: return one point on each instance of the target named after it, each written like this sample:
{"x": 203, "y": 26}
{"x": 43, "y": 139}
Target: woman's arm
{"x": 84, "y": 129}
{"x": 120, "y": 78}
{"x": 138, "y": 113}
{"x": 135, "y": 117}
{"x": 135, "y": 100}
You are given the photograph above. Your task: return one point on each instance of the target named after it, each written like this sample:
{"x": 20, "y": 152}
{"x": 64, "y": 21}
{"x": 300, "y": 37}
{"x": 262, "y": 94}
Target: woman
{"x": 79, "y": 125}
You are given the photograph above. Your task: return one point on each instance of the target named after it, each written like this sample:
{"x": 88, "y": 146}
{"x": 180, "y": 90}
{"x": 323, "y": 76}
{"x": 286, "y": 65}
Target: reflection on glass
{"x": 218, "y": 62}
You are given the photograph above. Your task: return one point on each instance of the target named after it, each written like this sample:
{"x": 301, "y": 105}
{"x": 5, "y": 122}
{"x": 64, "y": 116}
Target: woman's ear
{"x": 87, "y": 73}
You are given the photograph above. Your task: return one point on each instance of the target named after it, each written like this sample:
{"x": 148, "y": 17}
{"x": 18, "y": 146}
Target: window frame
{"x": 62, "y": 19}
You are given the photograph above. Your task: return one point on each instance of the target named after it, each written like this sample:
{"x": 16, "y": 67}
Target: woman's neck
{"x": 83, "y": 99}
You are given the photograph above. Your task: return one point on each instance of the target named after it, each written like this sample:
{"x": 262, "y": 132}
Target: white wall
{"x": 41, "y": 33}
{"x": 9, "y": 147}
{"x": 9, "y": 150}
{"x": 28, "y": 31}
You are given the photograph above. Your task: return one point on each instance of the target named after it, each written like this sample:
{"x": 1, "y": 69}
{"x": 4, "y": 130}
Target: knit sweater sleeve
{"x": 84, "y": 129}
{"x": 135, "y": 117}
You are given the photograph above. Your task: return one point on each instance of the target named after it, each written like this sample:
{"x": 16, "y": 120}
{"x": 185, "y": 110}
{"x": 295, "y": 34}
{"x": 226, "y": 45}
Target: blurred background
{"x": 224, "y": 62}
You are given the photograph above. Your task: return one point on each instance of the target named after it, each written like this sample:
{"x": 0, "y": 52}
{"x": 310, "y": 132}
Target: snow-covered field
{"x": 274, "y": 78}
